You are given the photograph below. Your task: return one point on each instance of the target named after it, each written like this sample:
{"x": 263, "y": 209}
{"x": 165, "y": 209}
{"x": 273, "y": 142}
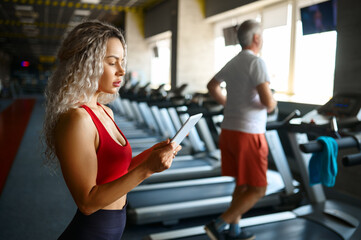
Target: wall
{"x": 195, "y": 58}
{"x": 348, "y": 80}
{"x": 139, "y": 56}
{"x": 4, "y": 66}
{"x": 192, "y": 41}
{"x": 158, "y": 19}
{"x": 348, "y": 54}
{"x": 162, "y": 18}
{"x": 4, "y": 73}
{"x": 214, "y": 7}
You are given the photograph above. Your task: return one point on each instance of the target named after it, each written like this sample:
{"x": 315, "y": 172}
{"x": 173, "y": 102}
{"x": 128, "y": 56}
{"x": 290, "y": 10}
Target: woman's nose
{"x": 121, "y": 70}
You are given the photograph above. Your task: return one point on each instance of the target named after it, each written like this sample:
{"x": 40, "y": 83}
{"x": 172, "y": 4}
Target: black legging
{"x": 103, "y": 224}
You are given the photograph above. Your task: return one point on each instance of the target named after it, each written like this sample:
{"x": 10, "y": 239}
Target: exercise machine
{"x": 168, "y": 202}
{"x": 321, "y": 218}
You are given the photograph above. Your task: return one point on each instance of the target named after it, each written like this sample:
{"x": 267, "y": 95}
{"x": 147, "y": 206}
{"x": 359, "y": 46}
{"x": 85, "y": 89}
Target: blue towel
{"x": 323, "y": 165}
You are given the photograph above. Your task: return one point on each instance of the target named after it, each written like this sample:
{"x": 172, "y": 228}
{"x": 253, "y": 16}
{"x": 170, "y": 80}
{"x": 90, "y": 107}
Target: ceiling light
{"x": 81, "y": 12}
{"x": 31, "y": 33}
{"x": 23, "y": 8}
{"x": 90, "y": 1}
{"x": 27, "y": 20}
{"x": 29, "y": 27}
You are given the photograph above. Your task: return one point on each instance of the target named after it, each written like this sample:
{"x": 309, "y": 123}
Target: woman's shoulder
{"x": 78, "y": 114}
{"x": 74, "y": 130}
{"x": 74, "y": 118}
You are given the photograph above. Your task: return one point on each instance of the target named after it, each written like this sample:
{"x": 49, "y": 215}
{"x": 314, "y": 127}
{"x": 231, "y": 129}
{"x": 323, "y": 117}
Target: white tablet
{"x": 186, "y": 128}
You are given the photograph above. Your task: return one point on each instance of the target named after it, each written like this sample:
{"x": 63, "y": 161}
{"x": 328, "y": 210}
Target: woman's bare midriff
{"x": 117, "y": 205}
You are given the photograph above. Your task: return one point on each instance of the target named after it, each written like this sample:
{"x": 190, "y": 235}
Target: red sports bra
{"x": 113, "y": 158}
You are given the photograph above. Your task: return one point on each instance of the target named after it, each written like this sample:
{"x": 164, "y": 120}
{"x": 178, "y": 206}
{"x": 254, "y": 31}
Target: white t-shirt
{"x": 243, "y": 110}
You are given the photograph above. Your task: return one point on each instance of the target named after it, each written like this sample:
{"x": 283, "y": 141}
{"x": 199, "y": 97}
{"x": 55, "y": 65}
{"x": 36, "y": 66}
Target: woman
{"x": 94, "y": 155}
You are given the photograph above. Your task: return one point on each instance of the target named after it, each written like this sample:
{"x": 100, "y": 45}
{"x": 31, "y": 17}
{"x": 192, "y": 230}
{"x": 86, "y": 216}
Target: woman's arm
{"x": 141, "y": 157}
{"x": 75, "y": 143}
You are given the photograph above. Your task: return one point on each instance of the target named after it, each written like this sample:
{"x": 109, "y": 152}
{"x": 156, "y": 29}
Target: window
{"x": 224, "y": 53}
{"x": 276, "y": 22}
{"x": 315, "y": 56}
{"x": 300, "y": 71}
{"x": 276, "y": 45}
{"x": 161, "y": 60}
{"x": 276, "y": 54}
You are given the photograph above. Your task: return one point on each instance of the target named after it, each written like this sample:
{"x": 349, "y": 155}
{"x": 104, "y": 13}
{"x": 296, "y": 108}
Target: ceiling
{"x": 32, "y": 30}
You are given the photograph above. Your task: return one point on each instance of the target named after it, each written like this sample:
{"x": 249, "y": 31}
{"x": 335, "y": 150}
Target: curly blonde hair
{"x": 75, "y": 80}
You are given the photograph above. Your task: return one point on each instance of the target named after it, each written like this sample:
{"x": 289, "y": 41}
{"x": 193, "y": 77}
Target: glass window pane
{"x": 224, "y": 53}
{"x": 276, "y": 54}
{"x": 314, "y": 66}
{"x": 160, "y": 63}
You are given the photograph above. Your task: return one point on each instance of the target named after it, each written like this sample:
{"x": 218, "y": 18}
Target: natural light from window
{"x": 313, "y": 56}
{"x": 314, "y": 66}
{"x": 224, "y": 53}
{"x": 276, "y": 54}
{"x": 160, "y": 63}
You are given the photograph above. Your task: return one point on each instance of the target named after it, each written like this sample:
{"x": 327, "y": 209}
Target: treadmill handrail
{"x": 351, "y": 160}
{"x": 278, "y": 124}
{"x": 316, "y": 146}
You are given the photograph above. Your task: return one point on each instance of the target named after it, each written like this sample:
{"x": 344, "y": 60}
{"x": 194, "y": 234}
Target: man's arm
{"x": 215, "y": 90}
{"x": 266, "y": 96}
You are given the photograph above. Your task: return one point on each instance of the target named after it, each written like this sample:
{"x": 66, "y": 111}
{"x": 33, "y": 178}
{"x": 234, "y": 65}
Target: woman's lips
{"x": 116, "y": 84}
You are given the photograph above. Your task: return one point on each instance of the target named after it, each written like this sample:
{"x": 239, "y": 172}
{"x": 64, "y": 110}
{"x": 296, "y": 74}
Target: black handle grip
{"x": 316, "y": 146}
{"x": 351, "y": 160}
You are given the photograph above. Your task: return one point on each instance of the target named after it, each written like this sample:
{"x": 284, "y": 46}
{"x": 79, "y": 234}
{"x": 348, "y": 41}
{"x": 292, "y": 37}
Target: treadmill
{"x": 204, "y": 160}
{"x": 199, "y": 158}
{"x": 170, "y": 201}
{"x": 160, "y": 114}
{"x": 152, "y": 123}
{"x": 322, "y": 218}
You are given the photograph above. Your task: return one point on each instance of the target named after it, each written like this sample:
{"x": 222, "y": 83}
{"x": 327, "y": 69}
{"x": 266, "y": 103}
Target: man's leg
{"x": 244, "y": 198}
{"x": 236, "y": 147}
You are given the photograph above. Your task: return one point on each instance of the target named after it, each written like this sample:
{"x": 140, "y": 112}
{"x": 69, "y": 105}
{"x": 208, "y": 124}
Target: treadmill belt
{"x": 295, "y": 229}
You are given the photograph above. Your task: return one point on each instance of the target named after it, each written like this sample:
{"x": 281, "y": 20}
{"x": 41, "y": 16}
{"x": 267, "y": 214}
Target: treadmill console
{"x": 346, "y": 109}
{"x": 342, "y": 107}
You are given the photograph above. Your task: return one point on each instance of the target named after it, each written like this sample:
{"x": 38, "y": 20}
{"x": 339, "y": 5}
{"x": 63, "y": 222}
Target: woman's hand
{"x": 161, "y": 157}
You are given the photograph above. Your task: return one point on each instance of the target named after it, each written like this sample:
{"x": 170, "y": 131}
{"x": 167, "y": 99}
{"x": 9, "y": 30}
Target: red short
{"x": 244, "y": 157}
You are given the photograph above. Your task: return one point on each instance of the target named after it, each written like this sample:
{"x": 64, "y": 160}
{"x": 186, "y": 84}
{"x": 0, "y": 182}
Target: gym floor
{"x": 34, "y": 201}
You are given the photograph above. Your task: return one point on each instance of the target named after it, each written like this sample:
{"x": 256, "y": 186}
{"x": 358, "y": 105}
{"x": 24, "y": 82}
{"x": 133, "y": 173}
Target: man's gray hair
{"x": 246, "y": 31}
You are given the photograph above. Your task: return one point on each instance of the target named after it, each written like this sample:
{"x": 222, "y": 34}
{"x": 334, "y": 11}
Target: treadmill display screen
{"x": 341, "y": 106}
